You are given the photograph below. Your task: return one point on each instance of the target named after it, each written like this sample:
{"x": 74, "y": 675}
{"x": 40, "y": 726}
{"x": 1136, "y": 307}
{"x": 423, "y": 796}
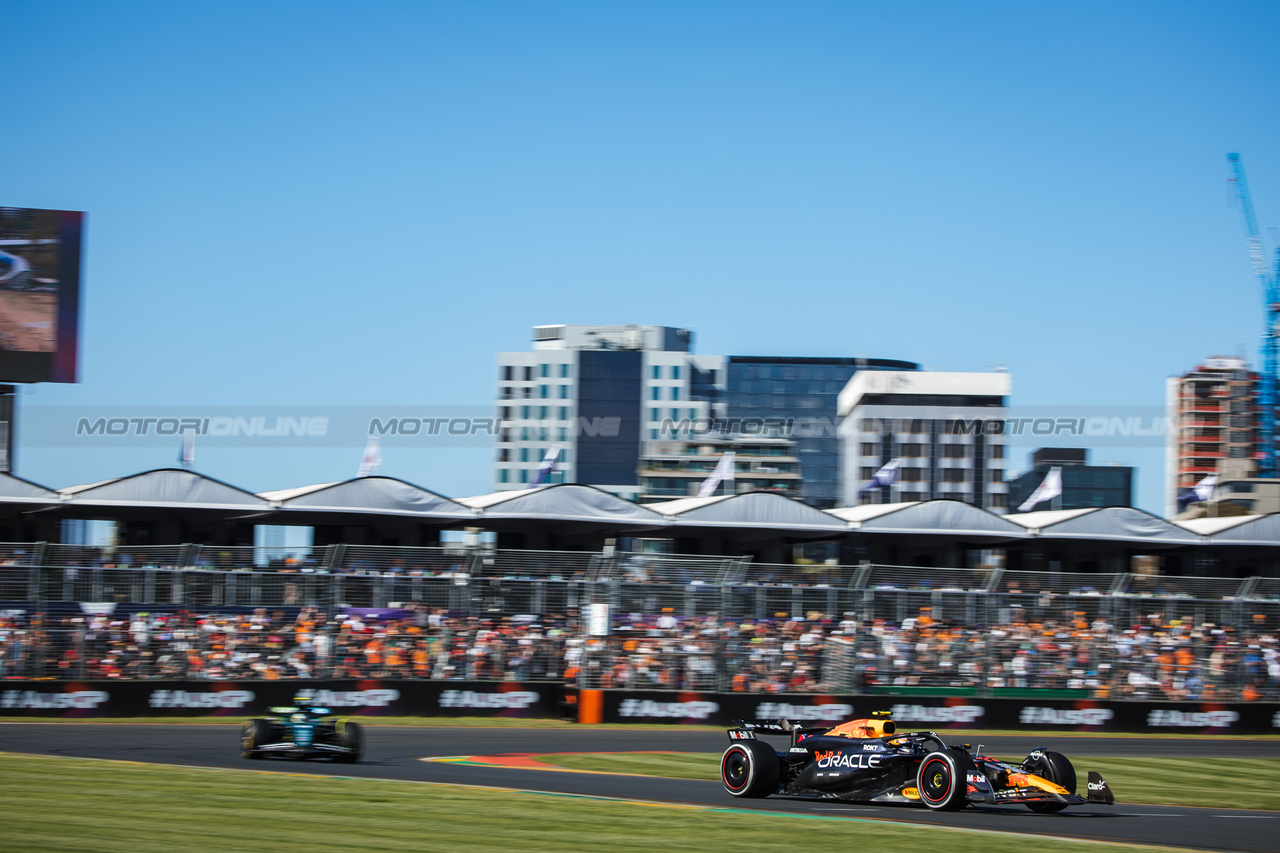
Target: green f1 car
{"x": 302, "y": 730}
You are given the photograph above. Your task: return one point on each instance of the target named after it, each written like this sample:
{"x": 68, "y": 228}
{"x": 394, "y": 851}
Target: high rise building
{"x": 596, "y": 393}
{"x": 1213, "y": 425}
{"x": 1083, "y": 485}
{"x": 802, "y": 392}
{"x": 945, "y": 431}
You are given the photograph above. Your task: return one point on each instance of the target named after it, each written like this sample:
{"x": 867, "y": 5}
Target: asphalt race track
{"x": 395, "y": 753}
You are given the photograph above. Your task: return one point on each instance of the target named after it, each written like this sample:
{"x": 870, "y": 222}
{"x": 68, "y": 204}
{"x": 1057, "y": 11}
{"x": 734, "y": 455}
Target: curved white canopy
{"x": 368, "y": 495}
{"x": 929, "y": 518}
{"x": 1257, "y": 530}
{"x": 169, "y": 488}
{"x": 568, "y": 502}
{"x": 1112, "y": 524}
{"x": 765, "y": 511}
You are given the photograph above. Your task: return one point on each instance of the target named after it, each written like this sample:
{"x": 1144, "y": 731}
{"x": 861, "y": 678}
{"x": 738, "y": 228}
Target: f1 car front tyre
{"x": 253, "y": 735}
{"x": 1055, "y": 767}
{"x": 942, "y": 780}
{"x": 750, "y": 768}
{"x": 351, "y": 738}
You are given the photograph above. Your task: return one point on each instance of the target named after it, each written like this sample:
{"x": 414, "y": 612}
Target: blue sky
{"x": 325, "y": 204}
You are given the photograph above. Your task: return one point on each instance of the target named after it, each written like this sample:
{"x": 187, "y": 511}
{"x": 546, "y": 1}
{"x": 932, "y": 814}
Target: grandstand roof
{"x": 937, "y": 517}
{"x": 1112, "y": 523}
{"x": 17, "y": 490}
{"x": 165, "y": 488}
{"x": 1247, "y": 530}
{"x": 569, "y": 502}
{"x": 369, "y": 495}
{"x": 766, "y": 512}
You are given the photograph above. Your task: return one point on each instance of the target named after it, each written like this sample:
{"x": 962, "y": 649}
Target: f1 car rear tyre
{"x": 254, "y": 734}
{"x": 750, "y": 768}
{"x": 942, "y": 780}
{"x": 352, "y": 739}
{"x": 1055, "y": 767}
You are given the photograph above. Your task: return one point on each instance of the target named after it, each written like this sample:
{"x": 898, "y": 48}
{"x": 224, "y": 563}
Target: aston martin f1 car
{"x": 301, "y": 730}
{"x": 869, "y": 760}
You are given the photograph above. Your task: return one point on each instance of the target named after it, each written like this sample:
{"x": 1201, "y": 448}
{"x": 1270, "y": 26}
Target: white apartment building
{"x": 597, "y": 393}
{"x": 945, "y": 429}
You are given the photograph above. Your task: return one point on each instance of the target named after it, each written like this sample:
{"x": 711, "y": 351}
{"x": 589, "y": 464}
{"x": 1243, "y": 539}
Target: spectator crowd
{"x": 1157, "y": 658}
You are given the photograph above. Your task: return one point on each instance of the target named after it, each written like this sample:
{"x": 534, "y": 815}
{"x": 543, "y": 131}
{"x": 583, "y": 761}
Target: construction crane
{"x": 1269, "y": 276}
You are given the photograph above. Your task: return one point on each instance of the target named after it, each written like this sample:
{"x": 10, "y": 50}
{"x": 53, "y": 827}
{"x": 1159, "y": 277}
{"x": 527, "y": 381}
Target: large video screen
{"x": 39, "y": 294}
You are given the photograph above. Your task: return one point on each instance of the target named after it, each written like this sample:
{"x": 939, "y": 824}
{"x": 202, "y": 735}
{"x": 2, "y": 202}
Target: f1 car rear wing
{"x": 747, "y": 729}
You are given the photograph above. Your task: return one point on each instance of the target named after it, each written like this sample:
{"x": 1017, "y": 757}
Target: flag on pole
{"x": 187, "y": 456}
{"x": 548, "y": 465}
{"x": 1205, "y": 488}
{"x": 723, "y": 471}
{"x": 372, "y": 459}
{"x": 1049, "y": 489}
{"x": 886, "y": 476}
{"x": 1201, "y": 492}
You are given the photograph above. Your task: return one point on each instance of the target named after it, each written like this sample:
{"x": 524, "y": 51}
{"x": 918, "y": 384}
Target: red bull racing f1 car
{"x": 869, "y": 760}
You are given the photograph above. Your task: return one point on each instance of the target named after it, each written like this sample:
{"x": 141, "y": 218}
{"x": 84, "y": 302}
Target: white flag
{"x": 1047, "y": 490}
{"x": 548, "y": 465}
{"x": 724, "y": 471}
{"x": 1205, "y": 488}
{"x": 372, "y": 459}
{"x": 886, "y": 476}
{"x": 188, "y": 455}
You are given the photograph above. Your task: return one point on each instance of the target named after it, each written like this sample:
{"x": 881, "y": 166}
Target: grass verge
{"x": 56, "y": 804}
{"x": 1241, "y": 783}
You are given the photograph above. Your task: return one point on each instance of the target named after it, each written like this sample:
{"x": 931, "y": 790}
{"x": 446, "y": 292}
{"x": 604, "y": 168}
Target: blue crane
{"x": 1269, "y": 276}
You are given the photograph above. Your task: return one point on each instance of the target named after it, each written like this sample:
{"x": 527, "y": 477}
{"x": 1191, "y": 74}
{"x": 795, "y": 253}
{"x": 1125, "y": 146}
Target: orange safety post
{"x": 591, "y": 706}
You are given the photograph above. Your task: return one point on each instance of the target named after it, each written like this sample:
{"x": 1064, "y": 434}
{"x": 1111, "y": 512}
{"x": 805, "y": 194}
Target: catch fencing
{"x": 479, "y": 581}
{"x": 677, "y": 622}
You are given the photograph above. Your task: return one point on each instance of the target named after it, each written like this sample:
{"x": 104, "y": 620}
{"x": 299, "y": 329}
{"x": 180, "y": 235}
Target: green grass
{"x": 1241, "y": 783}
{"x": 59, "y": 804}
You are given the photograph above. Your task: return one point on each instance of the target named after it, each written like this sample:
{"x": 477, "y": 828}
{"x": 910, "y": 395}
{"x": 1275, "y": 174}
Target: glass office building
{"x": 799, "y": 393}
{"x": 1083, "y": 485}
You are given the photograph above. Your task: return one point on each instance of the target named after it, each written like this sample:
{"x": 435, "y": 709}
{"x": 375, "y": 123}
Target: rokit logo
{"x": 80, "y": 699}
{"x": 779, "y": 710}
{"x": 192, "y": 699}
{"x": 945, "y": 714}
{"x": 1037, "y": 716}
{"x": 379, "y": 698}
{"x": 681, "y": 710}
{"x": 512, "y": 700}
{"x": 1192, "y": 719}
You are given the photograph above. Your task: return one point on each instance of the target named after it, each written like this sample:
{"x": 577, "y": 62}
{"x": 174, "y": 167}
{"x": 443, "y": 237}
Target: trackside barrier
{"x": 236, "y": 699}
{"x": 942, "y": 713}
{"x": 546, "y": 700}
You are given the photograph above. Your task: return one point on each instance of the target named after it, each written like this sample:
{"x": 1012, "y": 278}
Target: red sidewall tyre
{"x": 941, "y": 780}
{"x": 749, "y": 769}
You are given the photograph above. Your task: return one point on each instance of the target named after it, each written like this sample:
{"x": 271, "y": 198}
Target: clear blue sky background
{"x": 356, "y": 204}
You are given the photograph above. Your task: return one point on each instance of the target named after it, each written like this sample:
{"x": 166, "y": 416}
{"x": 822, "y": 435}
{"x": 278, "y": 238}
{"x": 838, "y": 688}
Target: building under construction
{"x": 1213, "y": 425}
